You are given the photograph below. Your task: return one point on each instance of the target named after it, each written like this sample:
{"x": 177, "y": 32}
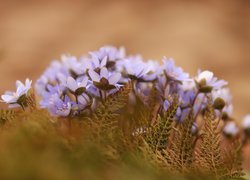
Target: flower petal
{"x": 114, "y": 78}
{"x": 71, "y": 84}
{"x": 21, "y": 90}
{"x": 94, "y": 76}
{"x": 84, "y": 82}
{"x": 104, "y": 73}
{"x": 8, "y": 98}
{"x": 104, "y": 61}
{"x": 28, "y": 83}
{"x": 19, "y": 83}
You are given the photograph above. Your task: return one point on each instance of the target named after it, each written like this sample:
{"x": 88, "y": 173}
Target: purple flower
{"x": 49, "y": 93}
{"x": 207, "y": 82}
{"x": 59, "y": 107}
{"x": 135, "y": 68}
{"x": 82, "y": 102}
{"x": 55, "y": 72}
{"x": 153, "y": 70}
{"x": 173, "y": 72}
{"x": 94, "y": 63}
{"x": 111, "y": 54}
{"x": 105, "y": 80}
{"x": 78, "y": 86}
{"x": 73, "y": 66}
{"x": 187, "y": 97}
{"x": 17, "y": 99}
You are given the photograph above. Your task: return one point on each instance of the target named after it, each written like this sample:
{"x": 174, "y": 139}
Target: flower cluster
{"x": 72, "y": 86}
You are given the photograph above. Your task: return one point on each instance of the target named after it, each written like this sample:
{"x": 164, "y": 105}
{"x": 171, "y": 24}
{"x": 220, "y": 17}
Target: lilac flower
{"x": 134, "y": 67}
{"x": 18, "y": 98}
{"x": 58, "y": 107}
{"x": 207, "y": 82}
{"x": 105, "y": 80}
{"x": 78, "y": 86}
{"x": 187, "y": 97}
{"x": 165, "y": 87}
{"x": 153, "y": 69}
{"x": 111, "y": 53}
{"x": 72, "y": 65}
{"x": 51, "y": 92}
{"x": 83, "y": 101}
{"x": 231, "y": 129}
{"x": 94, "y": 63}
{"x": 173, "y": 72}
{"x": 56, "y": 71}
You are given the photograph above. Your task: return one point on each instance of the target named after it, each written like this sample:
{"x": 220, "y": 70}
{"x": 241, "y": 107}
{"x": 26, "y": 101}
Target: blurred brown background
{"x": 212, "y": 35}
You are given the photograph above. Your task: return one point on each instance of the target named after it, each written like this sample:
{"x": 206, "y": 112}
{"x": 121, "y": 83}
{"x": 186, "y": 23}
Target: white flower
{"x": 135, "y": 67}
{"x": 105, "y": 80}
{"x": 223, "y": 93}
{"x": 13, "y": 98}
{"x": 228, "y": 110}
{"x": 207, "y": 82}
{"x": 231, "y": 129}
{"x": 246, "y": 122}
{"x": 188, "y": 85}
{"x": 153, "y": 69}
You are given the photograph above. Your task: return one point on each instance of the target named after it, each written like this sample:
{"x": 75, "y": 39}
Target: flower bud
{"x": 202, "y": 86}
{"x": 219, "y": 103}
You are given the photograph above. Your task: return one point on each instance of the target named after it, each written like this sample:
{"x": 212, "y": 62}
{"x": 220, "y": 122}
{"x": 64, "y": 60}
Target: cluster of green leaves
{"x": 117, "y": 141}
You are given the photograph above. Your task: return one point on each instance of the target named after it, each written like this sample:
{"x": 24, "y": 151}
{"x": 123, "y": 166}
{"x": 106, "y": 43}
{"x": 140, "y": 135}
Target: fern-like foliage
{"x": 107, "y": 114}
{"x": 6, "y": 115}
{"x": 158, "y": 134}
{"x": 233, "y": 161}
{"x": 180, "y": 156}
{"x": 209, "y": 154}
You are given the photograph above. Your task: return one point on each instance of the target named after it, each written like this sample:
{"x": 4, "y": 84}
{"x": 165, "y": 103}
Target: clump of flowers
{"x": 149, "y": 97}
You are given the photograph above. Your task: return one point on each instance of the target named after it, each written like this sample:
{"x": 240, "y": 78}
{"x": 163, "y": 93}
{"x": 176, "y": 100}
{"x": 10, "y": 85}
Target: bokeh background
{"x": 212, "y": 34}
